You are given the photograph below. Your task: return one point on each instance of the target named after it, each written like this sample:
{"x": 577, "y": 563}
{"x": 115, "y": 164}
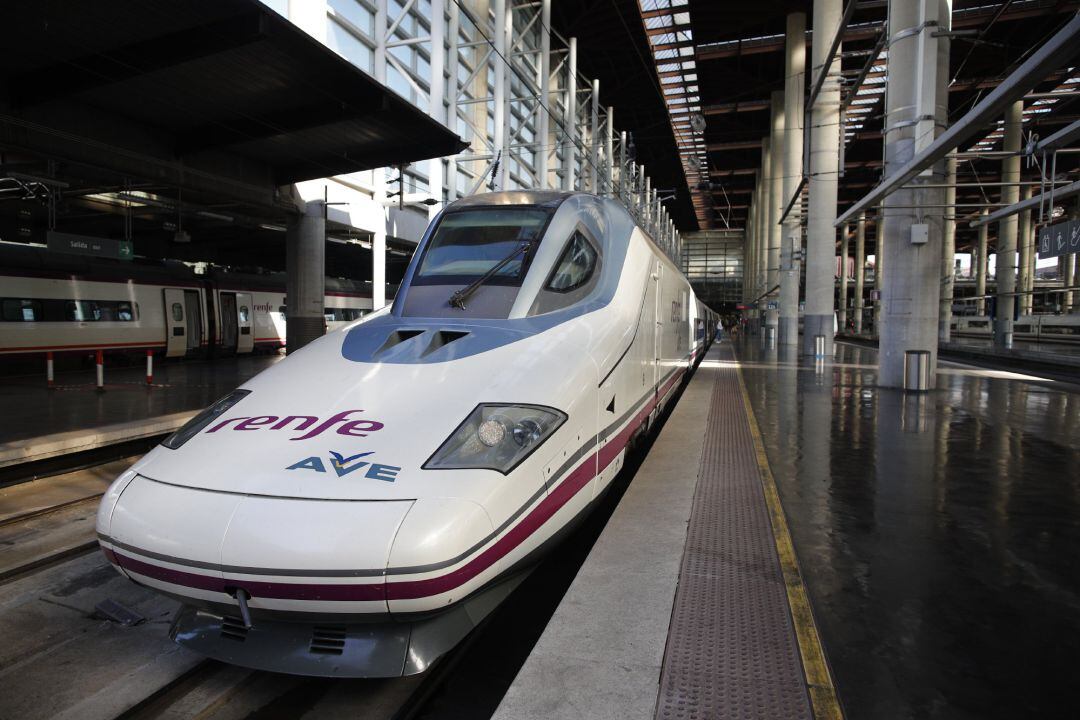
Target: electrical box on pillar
{"x": 920, "y": 234}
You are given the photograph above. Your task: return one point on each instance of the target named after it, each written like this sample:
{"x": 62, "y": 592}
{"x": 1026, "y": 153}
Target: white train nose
{"x": 288, "y": 554}
{"x": 441, "y": 554}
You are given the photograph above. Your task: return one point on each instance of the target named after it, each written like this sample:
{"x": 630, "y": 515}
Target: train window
{"x": 58, "y": 310}
{"x": 244, "y": 313}
{"x": 342, "y": 314}
{"x": 467, "y": 244}
{"x": 18, "y": 310}
{"x": 575, "y": 267}
{"x": 177, "y": 312}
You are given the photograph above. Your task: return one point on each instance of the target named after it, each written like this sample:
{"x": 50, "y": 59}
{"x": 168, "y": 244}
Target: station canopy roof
{"x": 223, "y": 97}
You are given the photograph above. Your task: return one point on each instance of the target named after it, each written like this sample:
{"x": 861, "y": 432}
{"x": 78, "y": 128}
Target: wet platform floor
{"x": 938, "y": 535}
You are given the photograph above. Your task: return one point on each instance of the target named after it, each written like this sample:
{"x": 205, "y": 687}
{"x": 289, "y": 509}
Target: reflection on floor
{"x": 939, "y": 535}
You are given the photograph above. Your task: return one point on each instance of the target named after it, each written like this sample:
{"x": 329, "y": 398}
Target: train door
{"x": 193, "y": 311}
{"x": 227, "y": 313}
{"x": 245, "y": 341}
{"x": 658, "y": 328}
{"x": 175, "y": 323}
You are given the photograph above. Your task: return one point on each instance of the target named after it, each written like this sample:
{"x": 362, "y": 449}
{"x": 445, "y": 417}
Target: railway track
{"x": 212, "y": 690}
{"x": 47, "y": 514}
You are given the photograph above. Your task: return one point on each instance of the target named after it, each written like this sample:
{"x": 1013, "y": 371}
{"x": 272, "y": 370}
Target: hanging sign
{"x": 1060, "y": 239}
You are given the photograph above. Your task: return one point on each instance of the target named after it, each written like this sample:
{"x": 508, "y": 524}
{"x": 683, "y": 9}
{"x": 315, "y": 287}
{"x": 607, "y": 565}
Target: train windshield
{"x": 470, "y": 244}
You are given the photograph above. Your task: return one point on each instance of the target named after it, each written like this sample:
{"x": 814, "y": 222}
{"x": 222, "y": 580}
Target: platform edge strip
{"x": 823, "y": 697}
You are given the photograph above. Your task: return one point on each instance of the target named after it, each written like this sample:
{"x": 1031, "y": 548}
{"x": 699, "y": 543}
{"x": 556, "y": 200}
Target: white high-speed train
{"x": 360, "y": 506}
{"x": 1037, "y": 328}
{"x": 68, "y": 304}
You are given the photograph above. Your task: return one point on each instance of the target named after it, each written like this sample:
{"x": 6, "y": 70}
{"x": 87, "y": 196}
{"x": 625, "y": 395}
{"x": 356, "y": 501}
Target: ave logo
{"x": 343, "y": 466}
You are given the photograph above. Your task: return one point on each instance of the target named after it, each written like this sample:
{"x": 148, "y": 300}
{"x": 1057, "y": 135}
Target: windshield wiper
{"x": 460, "y": 296}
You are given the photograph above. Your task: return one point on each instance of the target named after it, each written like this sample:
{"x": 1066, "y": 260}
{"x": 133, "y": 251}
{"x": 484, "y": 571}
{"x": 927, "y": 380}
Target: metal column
{"x": 571, "y": 117}
{"x": 879, "y": 266}
{"x": 763, "y": 220}
{"x": 822, "y": 184}
{"x": 948, "y": 252}
{"x": 980, "y": 269}
{"x": 544, "y": 106}
{"x": 860, "y": 272}
{"x": 916, "y": 110}
{"x": 436, "y": 98}
{"x": 842, "y": 305}
{"x": 305, "y": 276}
{"x": 594, "y": 149}
{"x": 609, "y": 151}
{"x": 378, "y": 238}
{"x": 504, "y": 21}
{"x": 776, "y": 204}
{"x": 791, "y": 232}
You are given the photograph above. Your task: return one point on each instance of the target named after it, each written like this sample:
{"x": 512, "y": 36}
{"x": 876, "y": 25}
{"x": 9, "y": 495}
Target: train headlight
{"x": 496, "y": 437}
{"x": 195, "y": 425}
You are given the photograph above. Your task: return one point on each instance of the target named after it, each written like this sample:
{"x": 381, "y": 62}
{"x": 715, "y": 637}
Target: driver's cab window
{"x": 474, "y": 263}
{"x": 575, "y": 267}
{"x": 573, "y": 277}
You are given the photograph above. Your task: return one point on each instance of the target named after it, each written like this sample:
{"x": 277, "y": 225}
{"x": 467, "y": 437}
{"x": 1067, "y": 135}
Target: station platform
{"x": 1059, "y": 360}
{"x": 802, "y": 543}
{"x": 75, "y": 416}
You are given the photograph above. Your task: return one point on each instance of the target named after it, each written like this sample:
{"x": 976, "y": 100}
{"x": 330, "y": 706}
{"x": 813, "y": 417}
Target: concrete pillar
{"x": 776, "y": 204}
{"x": 571, "y": 115}
{"x": 916, "y": 109}
{"x": 305, "y": 276}
{"x": 822, "y": 188}
{"x": 1023, "y": 266}
{"x": 980, "y": 268}
{"x": 948, "y": 252}
{"x": 842, "y": 303}
{"x": 791, "y": 231}
{"x": 1007, "y": 227}
{"x": 860, "y": 272}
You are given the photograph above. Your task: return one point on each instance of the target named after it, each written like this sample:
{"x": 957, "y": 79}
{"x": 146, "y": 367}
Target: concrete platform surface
{"x": 603, "y": 649}
{"x": 664, "y": 623}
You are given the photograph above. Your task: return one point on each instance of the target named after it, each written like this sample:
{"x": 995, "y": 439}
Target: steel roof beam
{"x": 1057, "y": 51}
{"x": 1032, "y": 202}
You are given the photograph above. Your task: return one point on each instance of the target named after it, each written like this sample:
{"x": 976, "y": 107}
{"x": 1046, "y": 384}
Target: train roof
{"x": 549, "y": 198}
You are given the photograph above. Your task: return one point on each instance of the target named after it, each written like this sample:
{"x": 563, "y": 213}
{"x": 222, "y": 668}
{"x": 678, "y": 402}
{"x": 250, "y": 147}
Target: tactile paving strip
{"x": 731, "y": 648}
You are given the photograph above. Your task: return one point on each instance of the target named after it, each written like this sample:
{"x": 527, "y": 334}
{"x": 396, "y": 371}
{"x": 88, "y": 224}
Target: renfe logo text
{"x": 300, "y": 423}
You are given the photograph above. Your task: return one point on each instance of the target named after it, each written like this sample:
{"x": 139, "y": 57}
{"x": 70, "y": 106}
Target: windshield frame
{"x": 465, "y": 280}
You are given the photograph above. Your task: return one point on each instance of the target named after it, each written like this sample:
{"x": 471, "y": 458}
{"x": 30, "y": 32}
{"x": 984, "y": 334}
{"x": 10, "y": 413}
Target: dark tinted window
{"x": 470, "y": 243}
{"x": 575, "y": 267}
{"x": 57, "y": 310}
{"x": 16, "y": 310}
